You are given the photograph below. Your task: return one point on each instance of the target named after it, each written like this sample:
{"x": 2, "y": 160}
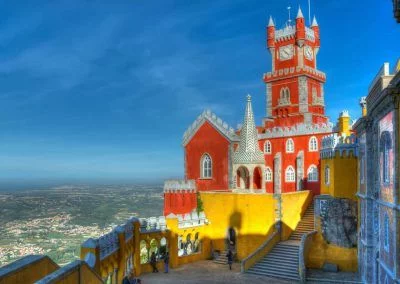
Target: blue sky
{"x": 92, "y": 91}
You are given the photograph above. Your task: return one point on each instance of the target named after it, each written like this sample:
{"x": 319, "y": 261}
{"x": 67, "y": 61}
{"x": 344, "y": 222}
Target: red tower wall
{"x": 208, "y": 140}
{"x": 301, "y": 143}
{"x": 179, "y": 202}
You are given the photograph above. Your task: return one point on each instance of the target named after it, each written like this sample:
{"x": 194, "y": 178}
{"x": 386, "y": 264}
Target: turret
{"x": 343, "y": 124}
{"x": 271, "y": 33}
{"x": 300, "y": 28}
{"x": 363, "y": 104}
{"x": 315, "y": 28}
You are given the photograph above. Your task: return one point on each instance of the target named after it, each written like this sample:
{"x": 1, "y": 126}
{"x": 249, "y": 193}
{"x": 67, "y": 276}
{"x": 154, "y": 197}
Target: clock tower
{"x": 294, "y": 87}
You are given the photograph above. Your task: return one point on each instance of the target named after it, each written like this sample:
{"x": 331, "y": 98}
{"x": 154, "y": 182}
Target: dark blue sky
{"x": 91, "y": 91}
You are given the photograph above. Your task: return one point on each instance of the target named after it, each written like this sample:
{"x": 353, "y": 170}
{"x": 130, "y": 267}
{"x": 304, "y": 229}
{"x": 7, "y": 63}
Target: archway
{"x": 257, "y": 178}
{"x": 243, "y": 178}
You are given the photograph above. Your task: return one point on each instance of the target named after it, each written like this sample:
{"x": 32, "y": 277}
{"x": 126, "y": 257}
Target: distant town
{"x": 59, "y": 219}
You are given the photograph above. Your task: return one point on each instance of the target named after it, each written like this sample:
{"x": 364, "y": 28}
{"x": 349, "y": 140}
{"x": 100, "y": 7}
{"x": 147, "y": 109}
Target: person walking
{"x": 166, "y": 262}
{"x": 153, "y": 262}
{"x": 229, "y": 255}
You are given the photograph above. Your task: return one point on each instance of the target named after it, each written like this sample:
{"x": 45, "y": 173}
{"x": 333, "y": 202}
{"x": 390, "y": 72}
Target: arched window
{"x": 312, "y": 174}
{"x": 327, "y": 175}
{"x": 284, "y": 96}
{"x": 163, "y": 247}
{"x": 386, "y": 232}
{"x": 289, "y": 146}
{"x": 267, "y": 147}
{"x": 206, "y": 166}
{"x": 268, "y": 174}
{"x": 144, "y": 254}
{"x": 153, "y": 248}
{"x": 313, "y": 144}
{"x": 290, "y": 175}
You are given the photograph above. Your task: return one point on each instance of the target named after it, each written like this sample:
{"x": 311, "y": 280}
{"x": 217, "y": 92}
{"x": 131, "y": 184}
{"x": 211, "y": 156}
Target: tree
{"x": 200, "y": 207}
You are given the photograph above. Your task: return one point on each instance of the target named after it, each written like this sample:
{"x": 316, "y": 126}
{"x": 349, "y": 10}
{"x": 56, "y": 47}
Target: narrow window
{"x": 386, "y": 232}
{"x": 313, "y": 144}
{"x": 312, "y": 173}
{"x": 289, "y": 146}
{"x": 327, "y": 175}
{"x": 267, "y": 147}
{"x": 206, "y": 166}
{"x": 268, "y": 174}
{"x": 290, "y": 175}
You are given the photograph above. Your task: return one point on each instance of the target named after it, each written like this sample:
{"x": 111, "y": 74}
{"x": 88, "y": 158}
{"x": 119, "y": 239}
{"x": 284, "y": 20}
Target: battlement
{"x": 342, "y": 144}
{"x": 153, "y": 224}
{"x": 299, "y": 129}
{"x": 189, "y": 220}
{"x": 179, "y": 185}
{"x": 279, "y": 74}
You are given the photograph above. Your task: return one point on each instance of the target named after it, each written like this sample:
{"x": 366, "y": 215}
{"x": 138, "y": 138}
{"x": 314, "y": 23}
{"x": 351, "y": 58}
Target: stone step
{"x": 284, "y": 251}
{"x": 277, "y": 268}
{"x": 274, "y": 275}
{"x": 272, "y": 263}
{"x": 279, "y": 262}
{"x": 288, "y": 248}
{"x": 283, "y": 254}
{"x": 283, "y": 258}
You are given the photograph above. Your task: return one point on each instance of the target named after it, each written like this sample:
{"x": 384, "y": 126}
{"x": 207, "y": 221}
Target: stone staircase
{"x": 305, "y": 225}
{"x": 283, "y": 260}
{"x": 221, "y": 258}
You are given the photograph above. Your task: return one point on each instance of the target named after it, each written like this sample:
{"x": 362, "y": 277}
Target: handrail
{"x": 260, "y": 252}
{"x": 303, "y": 252}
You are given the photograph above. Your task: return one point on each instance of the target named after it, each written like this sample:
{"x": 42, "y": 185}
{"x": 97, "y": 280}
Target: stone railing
{"x": 152, "y": 224}
{"x": 70, "y": 273}
{"x": 108, "y": 244}
{"x": 28, "y": 269}
{"x": 305, "y": 245}
{"x": 260, "y": 252}
{"x": 192, "y": 220}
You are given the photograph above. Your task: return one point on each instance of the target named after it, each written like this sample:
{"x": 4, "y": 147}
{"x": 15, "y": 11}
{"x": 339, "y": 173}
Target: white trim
{"x": 289, "y": 145}
{"x": 209, "y": 169}
{"x": 268, "y": 174}
{"x": 267, "y": 147}
{"x": 292, "y": 174}
{"x": 313, "y": 147}
{"x": 315, "y": 178}
{"x": 327, "y": 175}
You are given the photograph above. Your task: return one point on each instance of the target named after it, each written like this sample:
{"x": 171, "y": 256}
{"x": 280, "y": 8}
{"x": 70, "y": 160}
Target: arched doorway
{"x": 257, "y": 178}
{"x": 243, "y": 178}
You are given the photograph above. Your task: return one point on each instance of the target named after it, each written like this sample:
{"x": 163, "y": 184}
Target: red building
{"x": 281, "y": 155}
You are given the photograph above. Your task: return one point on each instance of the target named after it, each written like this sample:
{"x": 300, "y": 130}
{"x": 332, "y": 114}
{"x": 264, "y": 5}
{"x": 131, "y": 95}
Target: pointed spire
{"x": 271, "y": 22}
{"x": 314, "y": 22}
{"x": 299, "y": 13}
{"x": 249, "y": 151}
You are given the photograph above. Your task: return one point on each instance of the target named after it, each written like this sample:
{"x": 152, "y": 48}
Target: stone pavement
{"x": 206, "y": 272}
{"x": 209, "y": 272}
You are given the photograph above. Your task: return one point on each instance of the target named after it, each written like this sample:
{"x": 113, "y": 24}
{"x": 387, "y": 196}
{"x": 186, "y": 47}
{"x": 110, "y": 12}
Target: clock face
{"x": 308, "y": 52}
{"x": 286, "y": 52}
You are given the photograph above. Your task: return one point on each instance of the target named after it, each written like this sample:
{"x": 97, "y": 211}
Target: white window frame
{"x": 267, "y": 147}
{"x": 268, "y": 174}
{"x": 327, "y": 175}
{"x": 290, "y": 146}
{"x": 313, "y": 175}
{"x": 206, "y": 169}
{"x": 290, "y": 174}
{"x": 313, "y": 144}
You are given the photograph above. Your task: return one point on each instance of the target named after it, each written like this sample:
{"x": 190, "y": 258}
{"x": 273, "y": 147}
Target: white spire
{"x": 299, "y": 14}
{"x": 249, "y": 151}
{"x": 314, "y": 22}
{"x": 271, "y": 22}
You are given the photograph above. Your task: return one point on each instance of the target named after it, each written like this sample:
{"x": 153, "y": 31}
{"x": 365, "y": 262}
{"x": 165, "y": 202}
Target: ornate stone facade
{"x": 378, "y": 134}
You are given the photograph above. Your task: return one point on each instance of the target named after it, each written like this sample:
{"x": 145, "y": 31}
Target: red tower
{"x": 217, "y": 157}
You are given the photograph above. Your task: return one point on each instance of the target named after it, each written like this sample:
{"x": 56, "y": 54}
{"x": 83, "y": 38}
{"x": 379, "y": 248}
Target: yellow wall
{"x": 251, "y": 215}
{"x": 294, "y": 205}
{"x": 321, "y": 252}
{"x": 343, "y": 176}
{"x": 31, "y": 272}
